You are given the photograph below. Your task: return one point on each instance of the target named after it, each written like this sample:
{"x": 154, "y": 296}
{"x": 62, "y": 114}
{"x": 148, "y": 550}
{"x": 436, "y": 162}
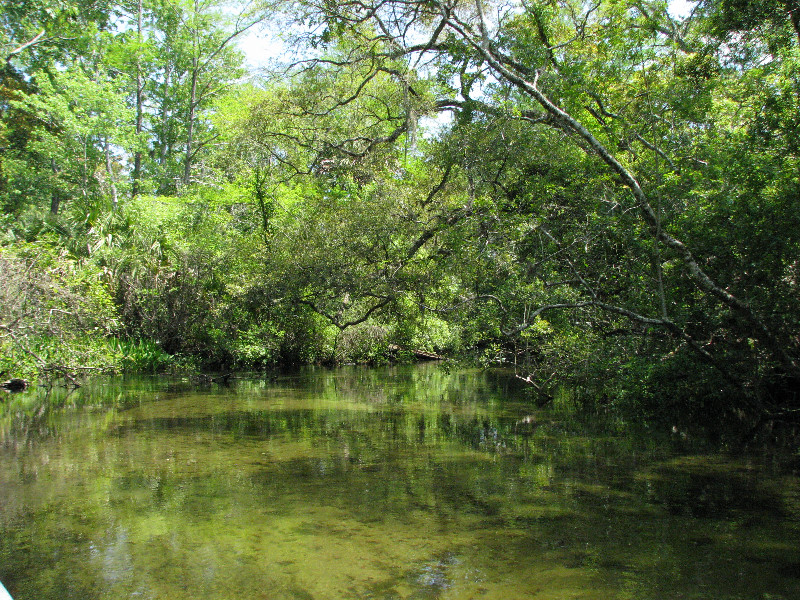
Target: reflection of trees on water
{"x": 424, "y": 454}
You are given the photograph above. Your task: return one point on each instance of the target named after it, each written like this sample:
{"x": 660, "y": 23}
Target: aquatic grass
{"x": 140, "y": 356}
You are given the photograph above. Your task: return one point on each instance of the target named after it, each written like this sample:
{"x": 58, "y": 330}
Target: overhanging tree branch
{"x": 757, "y": 327}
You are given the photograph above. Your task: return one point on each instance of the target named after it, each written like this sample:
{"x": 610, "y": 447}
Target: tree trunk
{"x": 165, "y": 145}
{"x": 110, "y": 173}
{"x": 187, "y": 164}
{"x": 137, "y": 158}
{"x": 55, "y": 197}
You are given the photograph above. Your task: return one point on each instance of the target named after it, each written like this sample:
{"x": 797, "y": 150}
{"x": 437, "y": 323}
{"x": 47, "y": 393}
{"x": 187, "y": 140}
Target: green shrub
{"x": 55, "y": 313}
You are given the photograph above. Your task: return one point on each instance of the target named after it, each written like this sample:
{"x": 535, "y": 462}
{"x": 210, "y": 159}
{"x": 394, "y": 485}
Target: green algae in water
{"x": 401, "y": 483}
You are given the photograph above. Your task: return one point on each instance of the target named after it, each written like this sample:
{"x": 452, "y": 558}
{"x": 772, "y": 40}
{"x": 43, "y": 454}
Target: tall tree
{"x": 198, "y": 61}
{"x": 42, "y": 40}
{"x": 80, "y": 115}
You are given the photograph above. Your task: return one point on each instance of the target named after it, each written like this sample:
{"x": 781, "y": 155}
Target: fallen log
{"x": 420, "y": 354}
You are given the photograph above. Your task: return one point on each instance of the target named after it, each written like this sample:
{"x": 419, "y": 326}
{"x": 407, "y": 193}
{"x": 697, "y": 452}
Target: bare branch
{"x": 32, "y": 42}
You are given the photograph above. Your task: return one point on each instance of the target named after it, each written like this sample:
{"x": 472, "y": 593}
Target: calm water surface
{"x": 404, "y": 482}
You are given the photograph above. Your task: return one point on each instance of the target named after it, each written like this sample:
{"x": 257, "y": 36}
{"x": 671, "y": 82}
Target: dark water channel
{"x": 405, "y": 482}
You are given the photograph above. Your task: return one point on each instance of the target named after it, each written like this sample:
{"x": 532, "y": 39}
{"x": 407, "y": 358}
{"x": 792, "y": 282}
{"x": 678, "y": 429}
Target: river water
{"x": 395, "y": 483}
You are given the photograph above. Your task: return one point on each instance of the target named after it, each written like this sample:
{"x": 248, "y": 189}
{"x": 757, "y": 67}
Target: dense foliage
{"x": 602, "y": 195}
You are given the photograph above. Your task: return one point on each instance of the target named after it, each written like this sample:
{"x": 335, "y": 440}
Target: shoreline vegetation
{"x": 599, "y": 197}
{"x": 64, "y": 324}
